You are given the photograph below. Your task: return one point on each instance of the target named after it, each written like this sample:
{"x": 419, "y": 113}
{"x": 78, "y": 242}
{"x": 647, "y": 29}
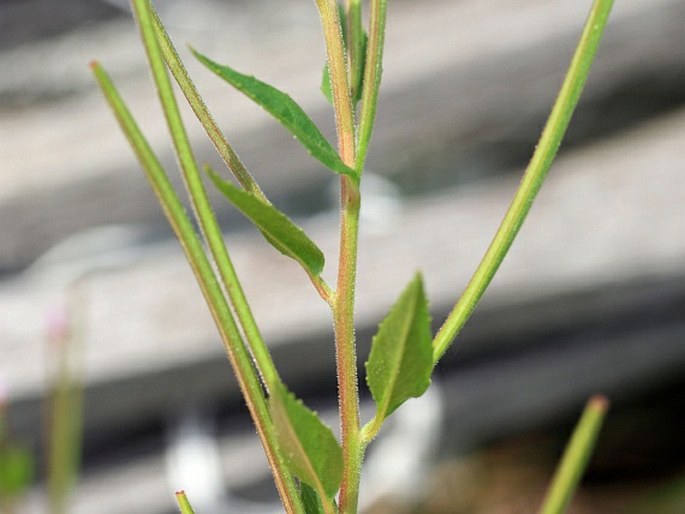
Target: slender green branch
{"x": 183, "y": 503}
{"x": 337, "y": 67}
{"x": 195, "y": 101}
{"x": 576, "y": 457}
{"x": 236, "y": 351}
{"x": 535, "y": 174}
{"x": 346, "y": 355}
{"x": 372, "y": 78}
{"x": 199, "y": 198}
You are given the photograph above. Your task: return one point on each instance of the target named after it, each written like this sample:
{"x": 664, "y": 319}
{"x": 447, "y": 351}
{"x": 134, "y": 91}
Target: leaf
{"x": 282, "y": 107}
{"x": 310, "y": 500}
{"x": 283, "y": 234}
{"x": 401, "y": 362}
{"x": 310, "y": 450}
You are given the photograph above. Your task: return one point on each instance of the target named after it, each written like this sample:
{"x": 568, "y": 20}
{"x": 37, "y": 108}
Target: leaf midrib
{"x": 396, "y": 372}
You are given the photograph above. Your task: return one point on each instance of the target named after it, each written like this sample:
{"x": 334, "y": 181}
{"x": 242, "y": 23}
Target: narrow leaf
{"x": 310, "y": 449}
{"x": 576, "y": 457}
{"x": 400, "y": 363}
{"x": 282, "y": 107}
{"x": 310, "y": 500}
{"x": 283, "y": 234}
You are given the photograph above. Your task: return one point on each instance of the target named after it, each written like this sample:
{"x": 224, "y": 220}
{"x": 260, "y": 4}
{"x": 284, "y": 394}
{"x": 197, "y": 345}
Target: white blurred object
{"x": 381, "y": 202}
{"x": 401, "y": 458}
{"x": 125, "y": 5}
{"x": 193, "y": 461}
{"x": 94, "y": 250}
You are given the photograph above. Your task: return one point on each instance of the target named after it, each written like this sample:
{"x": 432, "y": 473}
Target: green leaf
{"x": 400, "y": 363}
{"x": 16, "y": 471}
{"x": 284, "y": 109}
{"x": 309, "y": 448}
{"x": 283, "y": 234}
{"x": 310, "y": 500}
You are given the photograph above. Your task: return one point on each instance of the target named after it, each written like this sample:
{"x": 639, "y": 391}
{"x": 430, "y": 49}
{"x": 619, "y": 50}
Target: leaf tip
{"x": 599, "y": 403}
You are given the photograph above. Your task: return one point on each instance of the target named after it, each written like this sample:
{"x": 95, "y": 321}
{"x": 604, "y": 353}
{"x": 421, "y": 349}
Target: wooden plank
{"x": 610, "y": 214}
{"x": 467, "y": 83}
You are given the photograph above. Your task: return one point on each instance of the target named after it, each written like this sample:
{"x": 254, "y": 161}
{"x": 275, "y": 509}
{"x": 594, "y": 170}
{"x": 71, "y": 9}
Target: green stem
{"x": 337, "y": 67}
{"x": 198, "y": 195}
{"x": 236, "y": 351}
{"x": 183, "y": 503}
{"x": 372, "y": 77}
{"x": 346, "y": 356}
{"x": 576, "y": 457}
{"x": 535, "y": 174}
{"x": 195, "y": 101}
{"x": 343, "y": 304}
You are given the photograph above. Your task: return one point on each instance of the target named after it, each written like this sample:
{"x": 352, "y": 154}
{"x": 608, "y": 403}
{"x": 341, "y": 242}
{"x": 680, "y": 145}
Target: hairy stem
{"x": 337, "y": 66}
{"x": 346, "y": 355}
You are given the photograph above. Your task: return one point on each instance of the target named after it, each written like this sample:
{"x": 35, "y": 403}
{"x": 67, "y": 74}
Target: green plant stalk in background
{"x": 576, "y": 457}
{"x": 313, "y": 472}
{"x": 17, "y": 466}
{"x": 66, "y": 416}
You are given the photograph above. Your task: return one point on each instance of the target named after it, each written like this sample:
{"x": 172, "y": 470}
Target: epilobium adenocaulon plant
{"x": 312, "y": 470}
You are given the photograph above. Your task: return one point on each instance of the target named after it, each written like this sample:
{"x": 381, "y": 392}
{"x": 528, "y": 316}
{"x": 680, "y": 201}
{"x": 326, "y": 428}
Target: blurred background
{"x": 590, "y": 300}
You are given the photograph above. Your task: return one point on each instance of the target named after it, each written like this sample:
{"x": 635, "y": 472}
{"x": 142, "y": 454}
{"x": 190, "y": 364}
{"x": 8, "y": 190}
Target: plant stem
{"x": 535, "y": 174}
{"x": 195, "y": 101}
{"x": 372, "y": 77}
{"x": 183, "y": 503}
{"x": 199, "y": 198}
{"x": 576, "y": 457}
{"x": 343, "y": 304}
{"x": 337, "y": 67}
{"x": 236, "y": 351}
{"x": 346, "y": 355}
